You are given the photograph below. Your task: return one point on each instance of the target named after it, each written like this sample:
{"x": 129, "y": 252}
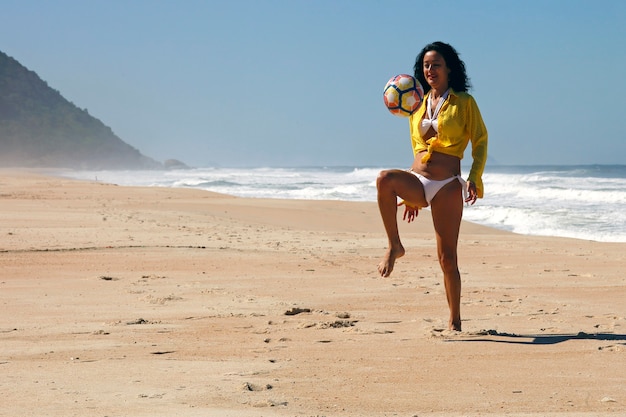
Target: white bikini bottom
{"x": 432, "y": 187}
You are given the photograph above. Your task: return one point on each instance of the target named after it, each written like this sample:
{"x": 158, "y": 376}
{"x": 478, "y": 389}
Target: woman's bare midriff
{"x": 439, "y": 167}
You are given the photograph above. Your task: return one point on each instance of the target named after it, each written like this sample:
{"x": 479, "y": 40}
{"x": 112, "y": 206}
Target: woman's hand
{"x": 410, "y": 212}
{"x": 472, "y": 194}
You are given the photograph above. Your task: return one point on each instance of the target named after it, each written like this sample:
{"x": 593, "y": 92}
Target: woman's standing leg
{"x": 447, "y": 211}
{"x": 392, "y": 184}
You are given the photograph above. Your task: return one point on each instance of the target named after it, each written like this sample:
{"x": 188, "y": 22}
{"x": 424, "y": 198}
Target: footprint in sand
{"x": 611, "y": 348}
{"x": 248, "y": 386}
{"x": 438, "y": 332}
{"x": 297, "y": 310}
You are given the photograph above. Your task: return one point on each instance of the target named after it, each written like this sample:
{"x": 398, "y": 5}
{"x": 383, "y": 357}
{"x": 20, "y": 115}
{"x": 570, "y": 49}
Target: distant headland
{"x": 39, "y": 128}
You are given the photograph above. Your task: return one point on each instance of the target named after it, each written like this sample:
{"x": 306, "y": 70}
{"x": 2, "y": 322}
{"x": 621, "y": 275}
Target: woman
{"x": 441, "y": 129}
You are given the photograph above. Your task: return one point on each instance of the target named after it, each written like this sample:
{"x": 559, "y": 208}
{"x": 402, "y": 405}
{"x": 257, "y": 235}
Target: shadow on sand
{"x": 533, "y": 339}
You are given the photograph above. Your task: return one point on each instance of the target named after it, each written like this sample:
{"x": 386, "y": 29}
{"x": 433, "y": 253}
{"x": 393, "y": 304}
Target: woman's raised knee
{"x": 384, "y": 178}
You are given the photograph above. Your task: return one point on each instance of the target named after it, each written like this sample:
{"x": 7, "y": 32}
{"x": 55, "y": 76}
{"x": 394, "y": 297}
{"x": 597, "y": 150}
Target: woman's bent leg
{"x": 447, "y": 211}
{"x": 392, "y": 184}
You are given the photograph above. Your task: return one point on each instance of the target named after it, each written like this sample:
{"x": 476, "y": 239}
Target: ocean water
{"x": 585, "y": 202}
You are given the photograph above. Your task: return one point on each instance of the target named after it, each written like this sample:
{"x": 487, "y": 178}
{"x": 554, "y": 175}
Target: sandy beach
{"x": 127, "y": 301}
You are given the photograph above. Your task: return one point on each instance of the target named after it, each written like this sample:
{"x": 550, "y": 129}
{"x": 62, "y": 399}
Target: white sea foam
{"x": 585, "y": 202}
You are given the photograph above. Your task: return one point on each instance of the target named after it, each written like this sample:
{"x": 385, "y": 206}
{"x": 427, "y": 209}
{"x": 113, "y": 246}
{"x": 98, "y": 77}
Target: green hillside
{"x": 40, "y": 128}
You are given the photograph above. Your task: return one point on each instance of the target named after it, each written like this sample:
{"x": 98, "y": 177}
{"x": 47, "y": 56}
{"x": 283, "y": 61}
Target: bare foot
{"x": 386, "y": 265}
{"x": 455, "y": 325}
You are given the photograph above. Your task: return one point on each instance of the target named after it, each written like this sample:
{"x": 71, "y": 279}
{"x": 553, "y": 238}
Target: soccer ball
{"x": 403, "y": 94}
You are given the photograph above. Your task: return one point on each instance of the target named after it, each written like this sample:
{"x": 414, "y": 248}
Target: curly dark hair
{"x": 458, "y": 79}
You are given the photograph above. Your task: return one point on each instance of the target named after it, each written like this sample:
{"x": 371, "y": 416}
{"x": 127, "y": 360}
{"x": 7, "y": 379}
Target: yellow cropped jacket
{"x": 458, "y": 123}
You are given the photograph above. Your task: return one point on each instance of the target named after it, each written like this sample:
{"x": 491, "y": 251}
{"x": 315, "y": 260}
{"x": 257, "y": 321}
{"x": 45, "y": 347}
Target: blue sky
{"x": 293, "y": 83}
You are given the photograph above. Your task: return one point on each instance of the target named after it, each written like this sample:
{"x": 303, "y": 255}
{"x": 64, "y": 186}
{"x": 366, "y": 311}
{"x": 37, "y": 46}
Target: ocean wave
{"x": 585, "y": 202}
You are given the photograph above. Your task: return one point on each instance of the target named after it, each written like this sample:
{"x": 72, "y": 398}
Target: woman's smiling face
{"x": 436, "y": 71}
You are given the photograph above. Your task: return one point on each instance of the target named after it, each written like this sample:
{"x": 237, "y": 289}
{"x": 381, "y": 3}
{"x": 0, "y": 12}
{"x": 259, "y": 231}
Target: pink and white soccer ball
{"x": 403, "y": 95}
